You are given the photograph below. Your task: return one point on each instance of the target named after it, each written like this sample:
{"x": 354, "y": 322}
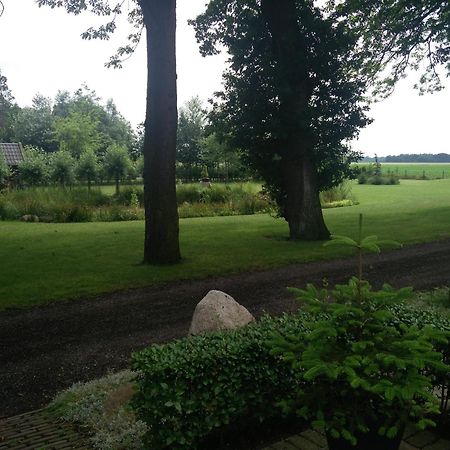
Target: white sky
{"x": 41, "y": 51}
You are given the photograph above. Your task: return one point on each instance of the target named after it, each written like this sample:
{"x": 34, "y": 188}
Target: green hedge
{"x": 191, "y": 387}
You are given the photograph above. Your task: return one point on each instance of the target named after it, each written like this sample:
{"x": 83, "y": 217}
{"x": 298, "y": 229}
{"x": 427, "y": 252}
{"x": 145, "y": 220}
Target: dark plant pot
{"x": 367, "y": 441}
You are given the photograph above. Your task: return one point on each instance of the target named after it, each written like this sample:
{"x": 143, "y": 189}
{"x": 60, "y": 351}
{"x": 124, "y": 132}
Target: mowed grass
{"x": 44, "y": 262}
{"x": 417, "y": 170}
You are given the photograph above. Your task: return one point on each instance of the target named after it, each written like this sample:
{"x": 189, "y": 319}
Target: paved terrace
{"x": 38, "y": 430}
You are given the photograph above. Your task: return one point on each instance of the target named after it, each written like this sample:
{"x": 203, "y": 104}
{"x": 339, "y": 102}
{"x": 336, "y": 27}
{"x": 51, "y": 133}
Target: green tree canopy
{"x": 34, "y": 125}
{"x": 219, "y": 155}
{"x": 62, "y": 168}
{"x": 87, "y": 167}
{"x": 77, "y": 133}
{"x": 34, "y": 169}
{"x": 100, "y": 126}
{"x": 191, "y": 124}
{"x": 396, "y": 35}
{"x": 291, "y": 99}
{"x": 8, "y": 110}
{"x": 117, "y": 164}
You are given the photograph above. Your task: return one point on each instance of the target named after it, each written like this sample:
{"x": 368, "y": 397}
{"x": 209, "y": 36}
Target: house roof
{"x": 13, "y": 153}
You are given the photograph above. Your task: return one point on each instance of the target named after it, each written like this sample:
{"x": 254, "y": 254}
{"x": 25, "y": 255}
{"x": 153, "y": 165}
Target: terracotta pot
{"x": 367, "y": 441}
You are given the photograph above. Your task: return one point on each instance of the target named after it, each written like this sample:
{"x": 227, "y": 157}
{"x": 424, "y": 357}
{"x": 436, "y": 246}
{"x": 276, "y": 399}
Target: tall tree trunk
{"x": 302, "y": 209}
{"x": 312, "y": 223}
{"x": 292, "y": 173}
{"x": 161, "y": 214}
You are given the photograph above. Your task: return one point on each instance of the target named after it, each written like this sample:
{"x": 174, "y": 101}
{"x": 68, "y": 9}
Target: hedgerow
{"x": 190, "y": 388}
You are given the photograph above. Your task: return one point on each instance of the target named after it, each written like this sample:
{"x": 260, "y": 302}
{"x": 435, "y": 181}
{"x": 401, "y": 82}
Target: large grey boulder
{"x": 218, "y": 311}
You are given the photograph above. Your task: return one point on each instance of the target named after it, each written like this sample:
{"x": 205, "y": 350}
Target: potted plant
{"x": 360, "y": 377}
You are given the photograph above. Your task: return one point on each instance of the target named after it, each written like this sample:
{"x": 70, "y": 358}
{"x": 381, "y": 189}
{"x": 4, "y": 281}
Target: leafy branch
{"x": 368, "y": 244}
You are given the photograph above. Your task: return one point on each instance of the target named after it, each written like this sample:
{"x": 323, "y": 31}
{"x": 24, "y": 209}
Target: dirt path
{"x": 45, "y": 349}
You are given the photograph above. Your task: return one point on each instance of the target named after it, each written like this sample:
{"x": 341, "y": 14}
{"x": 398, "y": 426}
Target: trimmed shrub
{"x": 190, "y": 388}
{"x": 194, "y": 386}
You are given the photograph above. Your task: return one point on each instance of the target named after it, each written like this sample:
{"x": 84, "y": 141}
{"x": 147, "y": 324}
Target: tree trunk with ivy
{"x": 161, "y": 214}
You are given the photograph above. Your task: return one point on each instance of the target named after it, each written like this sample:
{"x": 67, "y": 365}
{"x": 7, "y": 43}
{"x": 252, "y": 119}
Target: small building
{"x": 13, "y": 153}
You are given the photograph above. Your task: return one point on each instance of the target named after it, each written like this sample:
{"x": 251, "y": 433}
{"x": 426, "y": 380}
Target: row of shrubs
{"x": 189, "y": 388}
{"x": 364, "y": 178}
{"x": 192, "y": 388}
{"x": 53, "y": 204}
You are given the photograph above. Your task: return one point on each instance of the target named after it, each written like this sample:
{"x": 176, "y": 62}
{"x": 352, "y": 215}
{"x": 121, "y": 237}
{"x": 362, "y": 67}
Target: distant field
{"x": 46, "y": 261}
{"x": 415, "y": 170}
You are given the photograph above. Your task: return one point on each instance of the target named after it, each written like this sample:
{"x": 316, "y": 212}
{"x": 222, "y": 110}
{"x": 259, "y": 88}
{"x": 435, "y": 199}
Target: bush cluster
{"x": 189, "y": 388}
{"x": 221, "y": 200}
{"x": 373, "y": 174}
{"x": 364, "y": 178}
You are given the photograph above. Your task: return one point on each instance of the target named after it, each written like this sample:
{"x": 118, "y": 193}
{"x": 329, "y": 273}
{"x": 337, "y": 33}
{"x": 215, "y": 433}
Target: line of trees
{"x": 419, "y": 158}
{"x": 74, "y": 123}
{"x": 200, "y": 149}
{"x": 77, "y": 126}
{"x": 42, "y": 168}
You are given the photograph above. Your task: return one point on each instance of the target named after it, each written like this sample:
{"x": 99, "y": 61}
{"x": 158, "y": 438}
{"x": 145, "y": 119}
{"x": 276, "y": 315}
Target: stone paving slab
{"x": 312, "y": 440}
{"x": 39, "y": 430}
{"x": 423, "y": 439}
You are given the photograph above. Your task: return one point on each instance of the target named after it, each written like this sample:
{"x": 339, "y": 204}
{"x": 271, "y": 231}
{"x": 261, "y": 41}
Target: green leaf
{"x": 371, "y": 247}
{"x": 341, "y": 240}
{"x": 389, "y": 243}
{"x": 424, "y": 423}
{"x": 392, "y": 432}
{"x": 370, "y": 240}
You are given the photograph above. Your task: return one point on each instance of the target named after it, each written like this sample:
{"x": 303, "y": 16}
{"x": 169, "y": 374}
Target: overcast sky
{"x": 41, "y": 51}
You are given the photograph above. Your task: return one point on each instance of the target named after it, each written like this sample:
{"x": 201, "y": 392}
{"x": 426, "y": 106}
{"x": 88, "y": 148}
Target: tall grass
{"x": 340, "y": 195}
{"x": 56, "y": 204}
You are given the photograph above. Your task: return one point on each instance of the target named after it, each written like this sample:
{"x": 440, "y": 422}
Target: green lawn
{"x": 43, "y": 262}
